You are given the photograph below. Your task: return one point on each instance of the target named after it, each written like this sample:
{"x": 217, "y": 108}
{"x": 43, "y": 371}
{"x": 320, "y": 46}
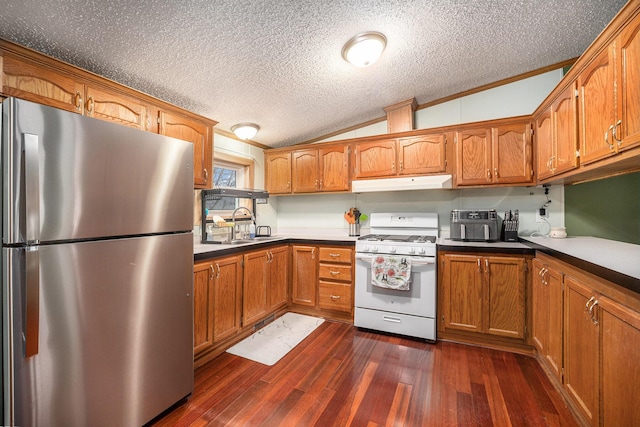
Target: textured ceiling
{"x": 278, "y": 62}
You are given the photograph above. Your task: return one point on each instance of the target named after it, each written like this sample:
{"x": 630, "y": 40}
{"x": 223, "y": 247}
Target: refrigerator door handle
{"x": 32, "y": 187}
{"x": 31, "y": 325}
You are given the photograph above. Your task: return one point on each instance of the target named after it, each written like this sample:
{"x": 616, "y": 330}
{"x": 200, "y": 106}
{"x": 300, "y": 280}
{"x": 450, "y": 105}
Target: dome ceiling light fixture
{"x": 364, "y": 49}
{"x": 245, "y": 130}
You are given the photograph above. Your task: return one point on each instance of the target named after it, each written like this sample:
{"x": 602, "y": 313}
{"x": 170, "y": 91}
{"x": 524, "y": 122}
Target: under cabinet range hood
{"x": 430, "y": 182}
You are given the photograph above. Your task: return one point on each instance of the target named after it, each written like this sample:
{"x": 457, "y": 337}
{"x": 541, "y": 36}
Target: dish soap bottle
{"x": 252, "y": 230}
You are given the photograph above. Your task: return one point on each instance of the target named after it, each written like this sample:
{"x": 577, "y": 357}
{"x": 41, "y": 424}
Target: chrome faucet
{"x": 236, "y": 227}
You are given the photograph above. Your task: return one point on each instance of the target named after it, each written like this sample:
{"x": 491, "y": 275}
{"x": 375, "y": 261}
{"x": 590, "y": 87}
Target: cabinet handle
{"x": 593, "y": 319}
{"x": 479, "y": 266}
{"x": 488, "y": 174}
{"x": 586, "y": 307}
{"x": 269, "y": 257}
{"x": 78, "y": 100}
{"x": 615, "y": 136}
{"x": 334, "y": 273}
{"x": 334, "y": 255}
{"x": 218, "y": 268}
{"x": 401, "y": 164}
{"x": 288, "y": 184}
{"x": 320, "y": 184}
{"x": 495, "y": 173}
{"x": 551, "y": 167}
{"x": 90, "y": 105}
{"x": 316, "y": 184}
{"x": 313, "y": 253}
{"x": 393, "y": 166}
{"x": 334, "y": 297}
{"x": 486, "y": 265}
{"x": 606, "y": 137}
{"x": 211, "y": 274}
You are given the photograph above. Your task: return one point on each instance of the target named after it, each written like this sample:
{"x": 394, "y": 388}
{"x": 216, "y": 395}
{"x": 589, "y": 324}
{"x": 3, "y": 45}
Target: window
{"x": 230, "y": 171}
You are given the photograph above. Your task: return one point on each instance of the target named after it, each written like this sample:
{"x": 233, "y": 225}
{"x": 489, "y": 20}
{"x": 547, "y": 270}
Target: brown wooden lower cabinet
{"x": 546, "y": 326}
{"x": 305, "y": 275}
{"x": 599, "y": 327}
{"x": 217, "y": 302}
{"x": 581, "y": 350}
{"x": 483, "y": 295}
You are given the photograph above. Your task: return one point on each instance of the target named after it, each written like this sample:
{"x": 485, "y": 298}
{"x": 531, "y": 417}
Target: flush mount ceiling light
{"x": 364, "y": 49}
{"x": 245, "y": 130}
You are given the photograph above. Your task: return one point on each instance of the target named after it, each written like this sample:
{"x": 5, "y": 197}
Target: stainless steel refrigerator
{"x": 97, "y": 262}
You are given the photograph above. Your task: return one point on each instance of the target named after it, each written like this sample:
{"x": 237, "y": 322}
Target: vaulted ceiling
{"x": 278, "y": 63}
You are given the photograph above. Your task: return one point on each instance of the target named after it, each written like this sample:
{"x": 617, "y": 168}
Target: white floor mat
{"x": 272, "y": 342}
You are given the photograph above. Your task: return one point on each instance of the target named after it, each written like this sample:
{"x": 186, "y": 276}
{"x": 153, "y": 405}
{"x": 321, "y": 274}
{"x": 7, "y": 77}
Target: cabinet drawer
{"x": 335, "y": 296}
{"x": 336, "y": 255}
{"x": 335, "y": 272}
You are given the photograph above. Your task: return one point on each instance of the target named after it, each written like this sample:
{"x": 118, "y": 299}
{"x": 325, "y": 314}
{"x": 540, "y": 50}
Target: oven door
{"x": 420, "y": 300}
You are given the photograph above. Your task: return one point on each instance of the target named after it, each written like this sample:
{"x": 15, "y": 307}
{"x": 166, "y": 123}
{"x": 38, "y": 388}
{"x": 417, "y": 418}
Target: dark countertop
{"x": 203, "y": 251}
{"x": 617, "y": 262}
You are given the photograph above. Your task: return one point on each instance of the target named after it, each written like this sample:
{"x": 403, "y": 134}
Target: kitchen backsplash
{"x": 323, "y": 213}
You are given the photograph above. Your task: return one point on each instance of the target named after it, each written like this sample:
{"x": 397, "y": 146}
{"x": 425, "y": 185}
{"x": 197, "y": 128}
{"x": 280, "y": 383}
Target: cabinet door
{"x": 544, "y": 143}
{"x": 278, "y": 278}
{"x": 565, "y": 132}
{"x": 203, "y": 312}
{"x": 278, "y": 172}
{"x": 620, "y": 332}
{"x": 553, "y": 356}
{"x": 596, "y": 97}
{"x": 512, "y": 154}
{"x": 108, "y": 105}
{"x": 473, "y": 155}
{"x": 41, "y": 84}
{"x": 198, "y": 133}
{"x": 227, "y": 297}
{"x": 540, "y": 309}
{"x": 505, "y": 296}
{"x": 375, "y": 159}
{"x": 581, "y": 362}
{"x": 305, "y": 275}
{"x": 254, "y": 289}
{"x": 304, "y": 171}
{"x": 334, "y": 168}
{"x": 422, "y": 155}
{"x": 628, "y": 86}
{"x": 463, "y": 296}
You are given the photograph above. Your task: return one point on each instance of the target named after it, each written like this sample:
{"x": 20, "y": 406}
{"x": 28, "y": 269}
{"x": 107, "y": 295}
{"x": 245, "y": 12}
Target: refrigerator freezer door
{"x": 115, "y": 340}
{"x": 70, "y": 177}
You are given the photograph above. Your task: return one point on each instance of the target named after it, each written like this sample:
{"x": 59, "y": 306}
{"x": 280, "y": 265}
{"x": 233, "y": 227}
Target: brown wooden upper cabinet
{"x": 556, "y": 131}
{"x": 198, "y": 133}
{"x": 499, "y": 154}
{"x": 324, "y": 169}
{"x": 609, "y": 91}
{"x": 34, "y": 82}
{"x": 424, "y": 154}
{"x": 40, "y": 79}
{"x": 278, "y": 172}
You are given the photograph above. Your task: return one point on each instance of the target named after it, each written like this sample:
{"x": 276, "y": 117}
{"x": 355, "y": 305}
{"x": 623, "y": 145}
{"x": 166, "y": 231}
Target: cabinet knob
{"x": 90, "y": 105}
{"x": 77, "y": 102}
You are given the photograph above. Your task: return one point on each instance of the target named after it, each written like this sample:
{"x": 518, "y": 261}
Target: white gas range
{"x": 407, "y": 240}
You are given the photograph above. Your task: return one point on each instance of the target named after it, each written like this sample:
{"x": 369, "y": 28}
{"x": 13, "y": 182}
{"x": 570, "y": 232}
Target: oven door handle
{"x": 414, "y": 260}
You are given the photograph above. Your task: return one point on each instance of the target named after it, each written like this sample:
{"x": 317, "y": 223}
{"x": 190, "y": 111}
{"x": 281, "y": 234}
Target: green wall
{"x": 608, "y": 208}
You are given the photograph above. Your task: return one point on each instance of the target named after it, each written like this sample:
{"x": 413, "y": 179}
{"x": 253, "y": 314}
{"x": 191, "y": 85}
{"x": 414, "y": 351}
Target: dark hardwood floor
{"x": 342, "y": 376}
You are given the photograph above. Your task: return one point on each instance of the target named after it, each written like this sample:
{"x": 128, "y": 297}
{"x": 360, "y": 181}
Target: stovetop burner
{"x": 397, "y": 238}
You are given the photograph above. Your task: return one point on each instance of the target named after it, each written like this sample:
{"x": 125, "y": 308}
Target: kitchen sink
{"x": 254, "y": 240}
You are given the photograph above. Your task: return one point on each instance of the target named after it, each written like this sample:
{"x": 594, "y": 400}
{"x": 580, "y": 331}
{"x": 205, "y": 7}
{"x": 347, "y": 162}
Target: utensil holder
{"x": 354, "y": 229}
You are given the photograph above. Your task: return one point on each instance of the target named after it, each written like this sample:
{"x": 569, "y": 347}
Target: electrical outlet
{"x": 542, "y": 214}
